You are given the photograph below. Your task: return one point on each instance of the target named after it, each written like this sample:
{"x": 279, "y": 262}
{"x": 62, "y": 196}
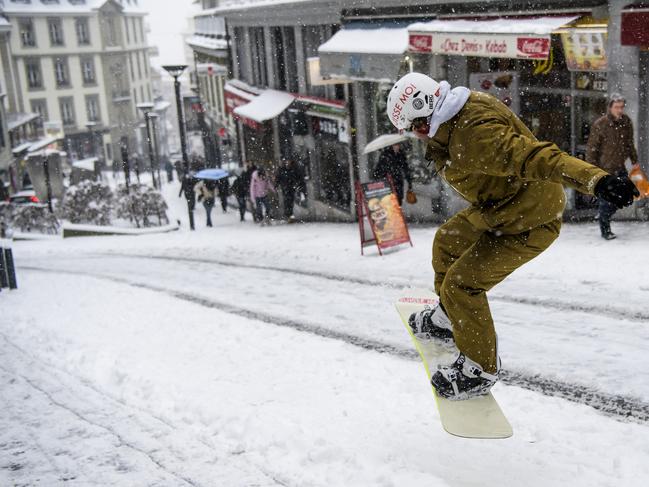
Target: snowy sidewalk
{"x": 166, "y": 392}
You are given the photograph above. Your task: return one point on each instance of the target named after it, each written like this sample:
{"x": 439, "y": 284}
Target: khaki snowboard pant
{"x": 468, "y": 262}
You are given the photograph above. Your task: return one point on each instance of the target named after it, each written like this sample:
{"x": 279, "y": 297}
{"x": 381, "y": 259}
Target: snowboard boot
{"x": 432, "y": 324}
{"x": 463, "y": 379}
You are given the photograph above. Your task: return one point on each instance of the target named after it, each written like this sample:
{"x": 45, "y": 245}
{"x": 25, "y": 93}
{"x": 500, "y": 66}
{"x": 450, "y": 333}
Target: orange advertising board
{"x": 378, "y": 208}
{"x": 640, "y": 180}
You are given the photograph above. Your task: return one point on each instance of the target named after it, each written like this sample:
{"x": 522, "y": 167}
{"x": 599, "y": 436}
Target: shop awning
{"x": 635, "y": 19}
{"x": 364, "y": 52}
{"x": 266, "y": 106}
{"x": 516, "y": 37}
{"x": 383, "y": 141}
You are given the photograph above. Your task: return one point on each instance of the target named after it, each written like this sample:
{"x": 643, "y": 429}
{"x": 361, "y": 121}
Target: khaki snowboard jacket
{"x": 512, "y": 180}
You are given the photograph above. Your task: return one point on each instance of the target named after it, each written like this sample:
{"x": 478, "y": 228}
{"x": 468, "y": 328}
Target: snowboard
{"x": 479, "y": 417}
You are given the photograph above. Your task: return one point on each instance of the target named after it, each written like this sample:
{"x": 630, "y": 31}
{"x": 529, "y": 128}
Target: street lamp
{"x": 93, "y": 148}
{"x": 91, "y": 133}
{"x": 176, "y": 71}
{"x": 153, "y": 116}
{"x": 146, "y": 108}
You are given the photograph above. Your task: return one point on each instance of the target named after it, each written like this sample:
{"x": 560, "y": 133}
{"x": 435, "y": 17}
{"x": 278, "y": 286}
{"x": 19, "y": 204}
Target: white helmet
{"x": 415, "y": 95}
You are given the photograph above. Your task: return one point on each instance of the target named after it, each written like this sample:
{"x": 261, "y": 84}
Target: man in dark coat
{"x": 610, "y": 144}
{"x": 393, "y": 163}
{"x": 246, "y": 177}
{"x": 289, "y": 180}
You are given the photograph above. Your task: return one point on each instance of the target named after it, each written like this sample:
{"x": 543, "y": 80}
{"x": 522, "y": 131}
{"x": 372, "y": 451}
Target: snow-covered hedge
{"x": 34, "y": 218}
{"x": 6, "y": 214}
{"x": 142, "y": 205}
{"x": 88, "y": 202}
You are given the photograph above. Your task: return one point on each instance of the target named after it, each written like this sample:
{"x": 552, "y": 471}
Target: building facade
{"x": 315, "y": 89}
{"x": 82, "y": 66}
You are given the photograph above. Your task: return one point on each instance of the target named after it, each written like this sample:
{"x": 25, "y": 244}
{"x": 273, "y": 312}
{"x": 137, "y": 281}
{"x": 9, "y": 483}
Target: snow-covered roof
{"x": 374, "y": 41}
{"x": 43, "y": 143}
{"x": 4, "y": 24}
{"x": 231, "y": 5}
{"x": 242, "y": 89}
{"x": 266, "y": 106}
{"x": 21, "y": 148}
{"x": 497, "y": 25}
{"x": 161, "y": 106}
{"x": 86, "y": 164}
{"x": 68, "y": 6}
{"x": 15, "y": 120}
{"x": 215, "y": 68}
{"x": 207, "y": 42}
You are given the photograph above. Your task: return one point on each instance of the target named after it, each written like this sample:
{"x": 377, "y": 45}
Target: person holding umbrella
{"x": 205, "y": 192}
{"x": 207, "y": 188}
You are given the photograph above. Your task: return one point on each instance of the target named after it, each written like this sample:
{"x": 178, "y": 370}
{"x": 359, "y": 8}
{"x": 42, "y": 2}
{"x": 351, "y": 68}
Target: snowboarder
{"x": 610, "y": 144}
{"x": 514, "y": 185}
{"x": 393, "y": 163}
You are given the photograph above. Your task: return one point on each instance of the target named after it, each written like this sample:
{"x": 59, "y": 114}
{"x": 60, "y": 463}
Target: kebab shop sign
{"x": 482, "y": 45}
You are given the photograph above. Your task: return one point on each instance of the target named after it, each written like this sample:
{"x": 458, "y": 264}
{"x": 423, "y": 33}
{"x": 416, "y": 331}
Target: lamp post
{"x": 146, "y": 108}
{"x": 153, "y": 116}
{"x": 91, "y": 133}
{"x": 93, "y": 148}
{"x": 175, "y": 71}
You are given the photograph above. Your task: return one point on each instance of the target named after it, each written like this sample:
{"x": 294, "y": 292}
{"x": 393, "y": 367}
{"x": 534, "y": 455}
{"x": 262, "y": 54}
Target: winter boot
{"x": 432, "y": 324}
{"x": 463, "y": 379}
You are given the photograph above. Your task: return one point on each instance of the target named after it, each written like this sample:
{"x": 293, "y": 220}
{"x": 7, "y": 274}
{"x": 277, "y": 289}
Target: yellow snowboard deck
{"x": 479, "y": 417}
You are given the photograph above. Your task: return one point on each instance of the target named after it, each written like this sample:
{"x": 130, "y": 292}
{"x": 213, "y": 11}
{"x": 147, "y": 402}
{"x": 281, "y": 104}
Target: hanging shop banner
{"x": 378, "y": 210}
{"x": 234, "y": 100}
{"x": 503, "y": 85}
{"x": 584, "y": 50}
{"x": 482, "y": 45}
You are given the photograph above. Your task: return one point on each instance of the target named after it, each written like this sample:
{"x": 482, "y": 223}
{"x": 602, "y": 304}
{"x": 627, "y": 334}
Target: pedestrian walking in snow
{"x": 394, "y": 163}
{"x": 205, "y": 192}
{"x": 240, "y": 190}
{"x": 246, "y": 179}
{"x": 610, "y": 144}
{"x": 514, "y": 184}
{"x": 288, "y": 180}
{"x": 260, "y": 186}
{"x": 223, "y": 186}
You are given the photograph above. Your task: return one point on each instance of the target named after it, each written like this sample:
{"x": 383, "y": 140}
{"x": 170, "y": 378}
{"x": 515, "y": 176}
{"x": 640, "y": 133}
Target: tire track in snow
{"x": 142, "y": 432}
{"x": 555, "y": 304}
{"x": 624, "y": 408}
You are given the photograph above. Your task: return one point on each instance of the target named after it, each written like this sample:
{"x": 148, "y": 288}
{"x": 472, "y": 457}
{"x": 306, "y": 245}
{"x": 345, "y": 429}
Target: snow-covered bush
{"x": 88, "y": 202}
{"x": 34, "y": 218}
{"x": 142, "y": 205}
{"x": 6, "y": 214}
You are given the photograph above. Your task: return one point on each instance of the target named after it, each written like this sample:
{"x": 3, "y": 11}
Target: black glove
{"x": 616, "y": 190}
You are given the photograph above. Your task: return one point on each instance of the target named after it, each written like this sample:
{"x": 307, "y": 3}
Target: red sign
{"x": 420, "y": 43}
{"x": 222, "y": 132}
{"x": 634, "y": 28}
{"x": 533, "y": 47}
{"x": 481, "y": 45}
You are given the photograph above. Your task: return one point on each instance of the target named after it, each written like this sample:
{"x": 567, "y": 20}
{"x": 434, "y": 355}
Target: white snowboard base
{"x": 479, "y": 417}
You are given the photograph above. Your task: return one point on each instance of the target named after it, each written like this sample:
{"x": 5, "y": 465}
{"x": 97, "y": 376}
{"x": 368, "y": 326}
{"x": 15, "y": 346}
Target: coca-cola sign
{"x": 481, "y": 45}
{"x": 533, "y": 47}
{"x": 420, "y": 43}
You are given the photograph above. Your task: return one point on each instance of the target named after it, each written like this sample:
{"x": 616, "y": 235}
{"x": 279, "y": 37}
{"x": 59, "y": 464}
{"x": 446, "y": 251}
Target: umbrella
{"x": 386, "y": 140}
{"x": 213, "y": 174}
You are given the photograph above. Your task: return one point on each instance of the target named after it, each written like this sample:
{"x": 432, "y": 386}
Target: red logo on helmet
{"x": 437, "y": 93}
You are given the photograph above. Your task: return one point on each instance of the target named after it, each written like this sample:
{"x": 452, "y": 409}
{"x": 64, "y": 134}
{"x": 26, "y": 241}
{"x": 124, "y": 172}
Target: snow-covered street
{"x": 247, "y": 356}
